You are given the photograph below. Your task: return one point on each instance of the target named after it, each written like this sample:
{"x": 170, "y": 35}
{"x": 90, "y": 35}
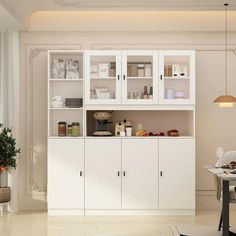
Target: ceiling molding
{"x": 68, "y": 3}
{"x": 12, "y": 13}
{"x": 155, "y": 7}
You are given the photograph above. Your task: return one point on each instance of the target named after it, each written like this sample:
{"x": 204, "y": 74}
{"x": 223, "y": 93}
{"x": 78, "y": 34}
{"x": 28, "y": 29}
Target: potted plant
{"x": 8, "y": 154}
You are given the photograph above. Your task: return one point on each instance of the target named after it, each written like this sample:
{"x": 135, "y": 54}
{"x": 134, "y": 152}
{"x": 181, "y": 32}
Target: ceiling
{"x": 21, "y": 10}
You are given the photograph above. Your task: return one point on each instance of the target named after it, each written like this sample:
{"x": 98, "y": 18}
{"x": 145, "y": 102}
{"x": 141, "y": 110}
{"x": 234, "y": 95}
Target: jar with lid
{"x": 141, "y": 70}
{"x": 69, "y": 130}
{"x": 148, "y": 69}
{"x": 75, "y": 129}
{"x": 62, "y": 128}
{"x": 113, "y": 69}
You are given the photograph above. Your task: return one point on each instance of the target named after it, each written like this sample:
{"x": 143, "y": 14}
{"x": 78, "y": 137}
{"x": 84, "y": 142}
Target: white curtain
{"x": 9, "y": 96}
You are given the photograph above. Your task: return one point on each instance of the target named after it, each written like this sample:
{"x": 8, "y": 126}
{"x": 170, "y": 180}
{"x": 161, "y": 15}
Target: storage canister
{"x": 75, "y": 129}
{"x": 62, "y": 128}
{"x": 148, "y": 70}
{"x": 140, "y": 70}
{"x": 69, "y": 130}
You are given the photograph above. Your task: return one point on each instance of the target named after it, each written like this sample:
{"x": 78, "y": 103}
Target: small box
{"x": 94, "y": 71}
{"x": 103, "y": 70}
{"x": 74, "y": 102}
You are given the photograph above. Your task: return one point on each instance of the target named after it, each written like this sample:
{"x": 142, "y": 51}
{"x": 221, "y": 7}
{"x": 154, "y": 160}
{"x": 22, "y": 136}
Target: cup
{"x": 128, "y": 131}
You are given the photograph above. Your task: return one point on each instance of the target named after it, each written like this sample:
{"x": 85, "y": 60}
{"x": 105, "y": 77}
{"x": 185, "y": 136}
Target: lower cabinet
{"x": 177, "y": 174}
{"x": 121, "y": 173}
{"x": 102, "y": 173}
{"x": 139, "y": 173}
{"x": 65, "y": 174}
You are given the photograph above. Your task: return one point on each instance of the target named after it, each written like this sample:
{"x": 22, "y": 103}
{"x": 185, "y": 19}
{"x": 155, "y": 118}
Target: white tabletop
{"x": 223, "y": 174}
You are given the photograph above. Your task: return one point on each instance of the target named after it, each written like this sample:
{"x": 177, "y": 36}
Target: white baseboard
{"x": 138, "y": 212}
{"x": 70, "y": 212}
{"x": 56, "y": 212}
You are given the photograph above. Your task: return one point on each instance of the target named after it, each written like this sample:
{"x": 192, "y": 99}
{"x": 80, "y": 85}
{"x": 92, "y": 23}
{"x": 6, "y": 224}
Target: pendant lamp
{"x": 226, "y": 100}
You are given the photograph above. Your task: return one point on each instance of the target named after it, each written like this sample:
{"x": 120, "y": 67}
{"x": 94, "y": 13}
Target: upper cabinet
{"x": 103, "y": 77}
{"x": 139, "y": 77}
{"x": 177, "y": 77}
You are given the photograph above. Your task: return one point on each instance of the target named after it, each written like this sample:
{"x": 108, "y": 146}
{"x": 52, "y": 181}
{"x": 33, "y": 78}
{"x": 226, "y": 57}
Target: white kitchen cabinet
{"x": 139, "y": 173}
{"x": 177, "y": 173}
{"x": 139, "y": 73}
{"x": 177, "y": 77}
{"x": 65, "y": 174}
{"x": 102, "y": 173}
{"x": 123, "y": 175}
{"x": 167, "y": 76}
{"x": 103, "y": 77}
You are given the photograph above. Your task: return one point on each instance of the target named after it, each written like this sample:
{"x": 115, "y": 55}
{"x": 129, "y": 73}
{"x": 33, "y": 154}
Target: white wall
{"x": 214, "y": 127}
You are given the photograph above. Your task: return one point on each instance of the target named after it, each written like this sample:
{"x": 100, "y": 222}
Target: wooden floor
{"x": 39, "y": 224}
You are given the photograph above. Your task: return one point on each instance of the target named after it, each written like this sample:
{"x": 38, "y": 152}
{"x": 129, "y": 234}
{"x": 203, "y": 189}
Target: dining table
{"x": 225, "y": 175}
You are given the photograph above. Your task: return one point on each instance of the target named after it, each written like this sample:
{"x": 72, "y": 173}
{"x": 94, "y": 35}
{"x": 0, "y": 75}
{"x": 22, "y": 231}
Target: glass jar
{"x": 113, "y": 69}
{"x": 69, "y": 130}
{"x": 62, "y": 128}
{"x": 148, "y": 70}
{"x": 75, "y": 129}
{"x": 140, "y": 70}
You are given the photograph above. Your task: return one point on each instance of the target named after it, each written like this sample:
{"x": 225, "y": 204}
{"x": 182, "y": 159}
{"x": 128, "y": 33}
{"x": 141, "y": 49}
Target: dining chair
{"x": 225, "y": 158}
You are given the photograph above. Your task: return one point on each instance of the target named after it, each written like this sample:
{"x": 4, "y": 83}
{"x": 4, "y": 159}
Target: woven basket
{"x": 5, "y": 194}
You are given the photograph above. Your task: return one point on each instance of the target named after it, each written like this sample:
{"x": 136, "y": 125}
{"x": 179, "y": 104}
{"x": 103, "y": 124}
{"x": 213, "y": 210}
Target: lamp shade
{"x": 225, "y": 101}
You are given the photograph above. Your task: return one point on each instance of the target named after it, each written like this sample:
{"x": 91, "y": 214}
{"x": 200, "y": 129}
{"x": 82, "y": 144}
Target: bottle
{"x": 145, "y": 93}
{"x": 151, "y": 93}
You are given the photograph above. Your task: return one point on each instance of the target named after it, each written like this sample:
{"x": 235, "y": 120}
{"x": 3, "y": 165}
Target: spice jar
{"x": 62, "y": 128}
{"x": 140, "y": 70}
{"x": 69, "y": 130}
{"x": 75, "y": 129}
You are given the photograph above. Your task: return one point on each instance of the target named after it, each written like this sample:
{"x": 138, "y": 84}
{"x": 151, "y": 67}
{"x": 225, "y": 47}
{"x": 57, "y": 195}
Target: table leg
{"x": 225, "y": 208}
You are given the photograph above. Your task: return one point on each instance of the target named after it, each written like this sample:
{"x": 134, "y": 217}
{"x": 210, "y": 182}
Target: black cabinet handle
{"x": 118, "y": 173}
{"x": 81, "y": 173}
{"x": 123, "y": 77}
{"x": 161, "y": 77}
{"x": 161, "y": 173}
{"x": 118, "y": 77}
{"x": 124, "y": 173}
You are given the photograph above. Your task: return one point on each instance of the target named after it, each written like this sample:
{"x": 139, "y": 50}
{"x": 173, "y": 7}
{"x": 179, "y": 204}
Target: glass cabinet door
{"x": 177, "y": 77}
{"x": 139, "y": 77}
{"x": 103, "y": 77}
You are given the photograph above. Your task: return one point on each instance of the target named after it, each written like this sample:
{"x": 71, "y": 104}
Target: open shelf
{"x": 64, "y": 87}
{"x": 176, "y": 78}
{"x": 65, "y": 137}
{"x": 152, "y": 121}
{"x": 100, "y": 78}
{"x": 142, "y": 78}
{"x": 66, "y": 80}
{"x": 66, "y": 108}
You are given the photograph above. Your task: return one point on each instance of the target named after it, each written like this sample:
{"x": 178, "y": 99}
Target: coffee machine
{"x": 102, "y": 123}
